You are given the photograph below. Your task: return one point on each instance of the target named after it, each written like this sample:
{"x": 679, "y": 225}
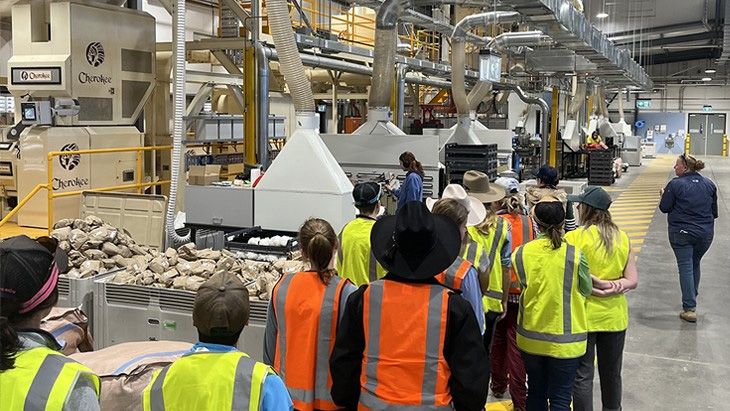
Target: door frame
{"x": 705, "y": 129}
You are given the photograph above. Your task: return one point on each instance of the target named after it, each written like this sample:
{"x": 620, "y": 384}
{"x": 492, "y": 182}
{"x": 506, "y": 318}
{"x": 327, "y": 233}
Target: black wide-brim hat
{"x": 415, "y": 244}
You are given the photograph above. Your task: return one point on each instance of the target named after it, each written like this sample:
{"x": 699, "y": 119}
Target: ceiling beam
{"x": 678, "y": 56}
{"x": 664, "y": 41}
{"x": 659, "y": 29}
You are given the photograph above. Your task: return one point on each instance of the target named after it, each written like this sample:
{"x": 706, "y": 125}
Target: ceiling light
{"x": 710, "y": 71}
{"x": 706, "y": 78}
{"x": 602, "y": 15}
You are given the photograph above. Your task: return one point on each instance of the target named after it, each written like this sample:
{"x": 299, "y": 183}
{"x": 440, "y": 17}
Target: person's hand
{"x": 601, "y": 284}
{"x": 661, "y": 192}
{"x": 618, "y": 287}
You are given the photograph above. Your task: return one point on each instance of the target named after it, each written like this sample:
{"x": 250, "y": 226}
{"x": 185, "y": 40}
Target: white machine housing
{"x": 99, "y": 54}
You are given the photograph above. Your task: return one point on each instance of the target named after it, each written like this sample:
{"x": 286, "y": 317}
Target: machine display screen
{"x": 29, "y": 113}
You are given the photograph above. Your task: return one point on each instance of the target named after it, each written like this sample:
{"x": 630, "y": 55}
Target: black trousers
{"x": 609, "y": 347}
{"x": 490, "y": 322}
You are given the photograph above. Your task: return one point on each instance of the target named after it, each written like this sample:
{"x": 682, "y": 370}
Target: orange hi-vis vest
{"x": 522, "y": 232}
{"x": 306, "y": 314}
{"x": 455, "y": 274}
{"x": 403, "y": 364}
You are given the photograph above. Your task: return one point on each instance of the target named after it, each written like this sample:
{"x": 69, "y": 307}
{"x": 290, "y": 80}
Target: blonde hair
{"x": 490, "y": 220}
{"x": 607, "y": 230}
{"x": 513, "y": 203}
{"x": 451, "y": 209}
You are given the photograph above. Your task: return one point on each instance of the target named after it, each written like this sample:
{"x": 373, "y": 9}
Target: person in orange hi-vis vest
{"x": 406, "y": 341}
{"x": 508, "y": 369}
{"x": 304, "y": 313}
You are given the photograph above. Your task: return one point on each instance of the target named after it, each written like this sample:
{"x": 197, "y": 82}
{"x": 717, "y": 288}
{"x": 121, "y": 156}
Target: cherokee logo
{"x": 69, "y": 161}
{"x": 95, "y": 54}
{"x": 24, "y": 75}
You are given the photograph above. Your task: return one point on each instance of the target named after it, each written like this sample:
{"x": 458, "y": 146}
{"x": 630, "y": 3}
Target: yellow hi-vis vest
{"x": 355, "y": 260}
{"x": 552, "y": 316}
{"x": 475, "y": 254}
{"x": 42, "y": 379}
{"x": 208, "y": 381}
{"x": 604, "y": 313}
{"x": 493, "y": 242}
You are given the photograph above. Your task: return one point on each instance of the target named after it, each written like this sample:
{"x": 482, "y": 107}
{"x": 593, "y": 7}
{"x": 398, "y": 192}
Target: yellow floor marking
{"x": 12, "y": 229}
{"x": 500, "y": 406}
{"x": 633, "y": 224}
{"x": 637, "y": 241}
{"x": 631, "y": 233}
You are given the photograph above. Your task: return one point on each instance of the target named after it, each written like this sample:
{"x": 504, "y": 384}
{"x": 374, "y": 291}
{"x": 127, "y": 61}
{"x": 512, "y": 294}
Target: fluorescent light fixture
{"x": 602, "y": 15}
{"x": 706, "y": 78}
{"x": 710, "y": 71}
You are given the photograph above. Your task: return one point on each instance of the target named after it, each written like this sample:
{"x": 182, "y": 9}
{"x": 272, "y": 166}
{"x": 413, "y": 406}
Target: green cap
{"x": 593, "y": 196}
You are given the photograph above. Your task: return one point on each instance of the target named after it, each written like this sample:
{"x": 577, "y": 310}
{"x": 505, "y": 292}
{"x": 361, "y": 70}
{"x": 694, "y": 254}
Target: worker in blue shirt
{"x": 214, "y": 365}
{"x": 412, "y": 187}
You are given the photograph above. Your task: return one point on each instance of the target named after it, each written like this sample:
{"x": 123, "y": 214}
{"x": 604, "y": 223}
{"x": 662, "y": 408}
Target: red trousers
{"x": 507, "y": 366}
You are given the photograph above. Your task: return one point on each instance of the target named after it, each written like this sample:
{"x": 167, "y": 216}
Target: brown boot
{"x": 689, "y": 316}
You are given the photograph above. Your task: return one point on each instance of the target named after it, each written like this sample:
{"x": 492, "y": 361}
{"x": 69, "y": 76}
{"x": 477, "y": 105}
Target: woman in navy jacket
{"x": 690, "y": 202}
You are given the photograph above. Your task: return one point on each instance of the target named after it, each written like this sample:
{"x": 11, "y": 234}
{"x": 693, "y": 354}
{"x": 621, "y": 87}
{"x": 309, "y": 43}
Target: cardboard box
{"x": 230, "y": 171}
{"x": 204, "y": 175}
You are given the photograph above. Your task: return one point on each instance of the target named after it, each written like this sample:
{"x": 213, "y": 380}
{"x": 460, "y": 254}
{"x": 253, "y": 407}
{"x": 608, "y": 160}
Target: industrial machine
{"x": 81, "y": 73}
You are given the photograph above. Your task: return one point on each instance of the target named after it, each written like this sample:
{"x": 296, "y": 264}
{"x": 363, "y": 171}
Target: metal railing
{"x": 139, "y": 184}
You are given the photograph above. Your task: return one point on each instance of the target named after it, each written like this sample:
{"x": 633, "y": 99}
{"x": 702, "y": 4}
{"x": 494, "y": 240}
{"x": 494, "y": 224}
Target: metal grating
{"x": 136, "y": 61}
{"x": 132, "y": 92}
{"x": 96, "y": 109}
{"x": 63, "y": 286}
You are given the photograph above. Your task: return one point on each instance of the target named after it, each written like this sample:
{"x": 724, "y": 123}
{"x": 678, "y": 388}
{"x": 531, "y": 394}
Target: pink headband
{"x": 43, "y": 293}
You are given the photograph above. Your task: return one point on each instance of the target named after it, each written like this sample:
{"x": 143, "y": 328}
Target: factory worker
{"x": 215, "y": 375}
{"x": 551, "y": 323}
{"x": 355, "y": 260}
{"x": 508, "y": 369}
{"x": 406, "y": 341}
{"x": 471, "y": 268}
{"x": 494, "y": 234}
{"x": 304, "y": 313}
{"x": 547, "y": 185}
{"x": 34, "y": 375}
{"x": 412, "y": 187}
{"x": 613, "y": 266}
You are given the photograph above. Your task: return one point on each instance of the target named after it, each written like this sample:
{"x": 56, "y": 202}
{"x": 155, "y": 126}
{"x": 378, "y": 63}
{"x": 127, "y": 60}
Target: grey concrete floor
{"x": 670, "y": 364}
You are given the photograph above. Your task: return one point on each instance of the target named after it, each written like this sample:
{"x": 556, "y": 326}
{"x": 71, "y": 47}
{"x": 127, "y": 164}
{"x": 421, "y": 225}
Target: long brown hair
{"x": 411, "y": 164}
{"x": 692, "y": 163}
{"x": 490, "y": 220}
{"x": 607, "y": 230}
{"x": 319, "y": 243}
{"x": 550, "y": 216}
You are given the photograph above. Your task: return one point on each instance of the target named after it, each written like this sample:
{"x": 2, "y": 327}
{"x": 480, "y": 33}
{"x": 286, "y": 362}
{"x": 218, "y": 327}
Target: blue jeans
{"x": 549, "y": 380}
{"x": 689, "y": 250}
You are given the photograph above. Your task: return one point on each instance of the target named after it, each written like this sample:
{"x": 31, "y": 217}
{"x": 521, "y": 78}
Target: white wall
{"x": 6, "y": 49}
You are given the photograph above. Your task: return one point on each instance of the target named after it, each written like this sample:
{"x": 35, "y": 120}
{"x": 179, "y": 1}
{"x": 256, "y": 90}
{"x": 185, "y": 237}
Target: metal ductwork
{"x": 544, "y": 108}
{"x": 576, "y": 103}
{"x": 519, "y": 38}
{"x": 725, "y": 56}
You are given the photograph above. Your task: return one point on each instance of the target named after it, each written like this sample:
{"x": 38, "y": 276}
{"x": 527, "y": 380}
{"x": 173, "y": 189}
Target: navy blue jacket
{"x": 690, "y": 202}
{"x": 410, "y": 190}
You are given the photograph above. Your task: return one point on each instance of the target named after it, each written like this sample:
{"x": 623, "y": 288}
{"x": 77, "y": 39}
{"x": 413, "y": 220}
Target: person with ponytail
{"x": 551, "y": 324}
{"x": 690, "y": 202}
{"x": 508, "y": 369}
{"x": 304, "y": 313}
{"x": 412, "y": 187}
{"x": 612, "y": 264}
{"x": 34, "y": 375}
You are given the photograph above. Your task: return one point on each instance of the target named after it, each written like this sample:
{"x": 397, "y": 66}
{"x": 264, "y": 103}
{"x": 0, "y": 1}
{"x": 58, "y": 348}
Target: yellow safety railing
{"x": 139, "y": 184}
{"x": 22, "y": 202}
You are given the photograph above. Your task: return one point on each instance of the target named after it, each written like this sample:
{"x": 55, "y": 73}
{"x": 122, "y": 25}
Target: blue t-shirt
{"x": 276, "y": 397}
{"x": 472, "y": 293}
{"x": 410, "y": 190}
{"x": 690, "y": 202}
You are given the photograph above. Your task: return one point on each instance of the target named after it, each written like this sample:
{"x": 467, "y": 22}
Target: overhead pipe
{"x": 458, "y": 52}
{"x": 544, "y": 108}
{"x": 178, "y": 126}
{"x": 386, "y": 40}
{"x": 263, "y": 104}
{"x": 576, "y": 103}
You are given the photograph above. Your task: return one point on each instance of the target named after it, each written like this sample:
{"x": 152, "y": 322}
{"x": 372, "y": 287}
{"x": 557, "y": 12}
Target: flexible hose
{"x": 458, "y": 74}
{"x": 480, "y": 91}
{"x": 621, "y": 105}
{"x": 381, "y": 86}
{"x": 290, "y": 62}
{"x": 178, "y": 111}
{"x": 577, "y": 101}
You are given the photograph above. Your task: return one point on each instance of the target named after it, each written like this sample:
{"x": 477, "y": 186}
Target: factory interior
{"x": 160, "y": 142}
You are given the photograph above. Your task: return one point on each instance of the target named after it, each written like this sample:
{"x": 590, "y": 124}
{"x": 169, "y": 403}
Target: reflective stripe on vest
{"x": 520, "y": 224}
{"x": 397, "y": 374}
{"x": 568, "y": 335}
{"x": 454, "y": 276}
{"x": 41, "y": 380}
{"x": 492, "y": 299}
{"x": 248, "y": 380}
{"x": 316, "y": 393}
{"x": 476, "y": 255}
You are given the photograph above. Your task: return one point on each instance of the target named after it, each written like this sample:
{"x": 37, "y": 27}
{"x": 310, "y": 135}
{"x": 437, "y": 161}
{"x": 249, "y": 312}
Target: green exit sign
{"x": 643, "y": 103}
{"x": 707, "y": 108}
